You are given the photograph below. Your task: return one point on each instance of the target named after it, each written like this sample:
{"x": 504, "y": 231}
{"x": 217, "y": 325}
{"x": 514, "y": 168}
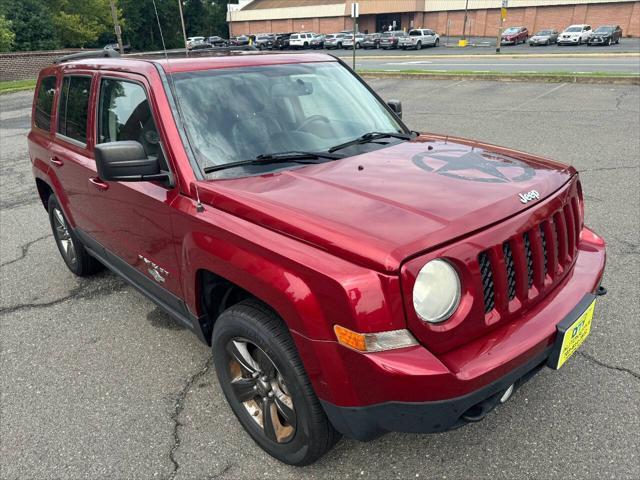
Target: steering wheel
{"x": 312, "y": 119}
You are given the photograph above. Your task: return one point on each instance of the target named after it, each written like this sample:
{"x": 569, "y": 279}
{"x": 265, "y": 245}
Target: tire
{"x": 419, "y": 45}
{"x": 69, "y": 245}
{"x": 608, "y": 42}
{"x": 301, "y": 435}
{"x": 437, "y": 42}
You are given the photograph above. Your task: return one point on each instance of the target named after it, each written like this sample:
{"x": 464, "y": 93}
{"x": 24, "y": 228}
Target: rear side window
{"x": 44, "y": 103}
{"x": 125, "y": 114}
{"x": 74, "y": 105}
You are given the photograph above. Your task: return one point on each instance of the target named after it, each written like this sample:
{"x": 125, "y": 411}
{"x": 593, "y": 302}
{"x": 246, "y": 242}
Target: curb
{"x": 494, "y": 56}
{"x": 499, "y": 77}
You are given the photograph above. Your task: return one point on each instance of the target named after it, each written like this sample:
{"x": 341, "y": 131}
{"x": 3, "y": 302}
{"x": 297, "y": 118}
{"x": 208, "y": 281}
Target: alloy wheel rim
{"x": 63, "y": 236}
{"x": 260, "y": 388}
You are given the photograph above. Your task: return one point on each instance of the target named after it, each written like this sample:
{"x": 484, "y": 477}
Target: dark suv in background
{"x": 605, "y": 35}
{"x": 390, "y": 39}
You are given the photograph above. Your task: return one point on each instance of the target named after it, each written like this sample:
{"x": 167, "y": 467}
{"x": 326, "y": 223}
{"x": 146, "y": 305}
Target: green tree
{"x": 79, "y": 23}
{"x": 7, "y": 36}
{"x": 31, "y": 22}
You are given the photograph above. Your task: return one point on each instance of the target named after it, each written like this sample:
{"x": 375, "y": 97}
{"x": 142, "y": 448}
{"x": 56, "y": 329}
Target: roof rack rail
{"x": 106, "y": 53}
{"x": 230, "y": 48}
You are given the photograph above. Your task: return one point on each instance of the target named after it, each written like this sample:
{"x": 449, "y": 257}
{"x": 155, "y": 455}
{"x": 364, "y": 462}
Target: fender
{"x": 310, "y": 290}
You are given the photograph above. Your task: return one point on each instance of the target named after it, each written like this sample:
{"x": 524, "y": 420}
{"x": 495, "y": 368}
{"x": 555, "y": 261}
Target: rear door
{"x": 132, "y": 219}
{"x": 71, "y": 154}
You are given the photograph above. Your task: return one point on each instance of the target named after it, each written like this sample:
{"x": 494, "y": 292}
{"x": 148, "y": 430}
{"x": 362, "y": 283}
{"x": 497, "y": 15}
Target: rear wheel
{"x": 266, "y": 385}
{"x": 437, "y": 42}
{"x": 71, "y": 249}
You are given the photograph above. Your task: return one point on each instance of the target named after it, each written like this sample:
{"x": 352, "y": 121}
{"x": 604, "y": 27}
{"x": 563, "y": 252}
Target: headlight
{"x": 436, "y": 293}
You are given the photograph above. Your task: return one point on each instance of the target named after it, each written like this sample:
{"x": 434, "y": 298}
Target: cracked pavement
{"x": 97, "y": 382}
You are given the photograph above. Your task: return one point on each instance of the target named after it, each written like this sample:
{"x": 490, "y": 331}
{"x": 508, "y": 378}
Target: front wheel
{"x": 418, "y": 45}
{"x": 71, "y": 249}
{"x": 437, "y": 42}
{"x": 263, "y": 379}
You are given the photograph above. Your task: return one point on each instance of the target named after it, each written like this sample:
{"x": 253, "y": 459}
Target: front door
{"x": 132, "y": 220}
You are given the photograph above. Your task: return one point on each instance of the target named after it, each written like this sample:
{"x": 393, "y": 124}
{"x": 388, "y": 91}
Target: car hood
{"x": 378, "y": 208}
{"x": 541, "y": 37}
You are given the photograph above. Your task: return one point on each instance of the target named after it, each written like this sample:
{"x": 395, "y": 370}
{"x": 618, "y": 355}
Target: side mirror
{"x": 126, "y": 161}
{"x": 396, "y": 106}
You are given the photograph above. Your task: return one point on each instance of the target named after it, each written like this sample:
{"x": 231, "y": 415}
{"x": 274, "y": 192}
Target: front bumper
{"x": 413, "y": 390}
{"x": 569, "y": 41}
{"x": 367, "y": 423}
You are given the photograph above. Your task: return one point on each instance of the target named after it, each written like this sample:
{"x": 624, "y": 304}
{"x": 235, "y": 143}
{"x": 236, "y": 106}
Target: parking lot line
{"x": 538, "y": 97}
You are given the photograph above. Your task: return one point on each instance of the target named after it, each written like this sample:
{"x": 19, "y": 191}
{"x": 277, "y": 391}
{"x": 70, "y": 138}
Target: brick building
{"x": 445, "y": 16}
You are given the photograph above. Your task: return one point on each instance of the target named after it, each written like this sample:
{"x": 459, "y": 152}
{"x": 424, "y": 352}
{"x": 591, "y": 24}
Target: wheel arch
{"x": 44, "y": 192}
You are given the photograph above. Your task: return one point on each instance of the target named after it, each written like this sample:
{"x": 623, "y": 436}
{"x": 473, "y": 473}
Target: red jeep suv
{"x": 352, "y": 276}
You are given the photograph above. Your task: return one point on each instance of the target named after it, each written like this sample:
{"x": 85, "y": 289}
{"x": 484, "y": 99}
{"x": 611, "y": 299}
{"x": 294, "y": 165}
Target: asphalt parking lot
{"x": 96, "y": 382}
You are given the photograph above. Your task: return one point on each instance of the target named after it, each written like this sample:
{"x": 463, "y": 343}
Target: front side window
{"x": 74, "y": 107}
{"x": 44, "y": 103}
{"x": 124, "y": 114}
{"x": 236, "y": 114}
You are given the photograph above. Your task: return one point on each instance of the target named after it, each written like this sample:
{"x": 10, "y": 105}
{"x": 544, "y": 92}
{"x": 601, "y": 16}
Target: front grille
{"x": 524, "y": 265}
{"x": 511, "y": 270}
{"x": 487, "y": 281}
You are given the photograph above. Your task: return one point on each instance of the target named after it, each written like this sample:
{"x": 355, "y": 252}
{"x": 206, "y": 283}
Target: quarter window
{"x": 74, "y": 105}
{"x": 44, "y": 103}
{"x": 125, "y": 114}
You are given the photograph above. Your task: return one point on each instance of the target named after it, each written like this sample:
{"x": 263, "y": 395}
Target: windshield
{"x": 543, "y": 33}
{"x": 236, "y": 114}
{"x": 604, "y": 30}
{"x": 574, "y": 29}
{"x": 511, "y": 30}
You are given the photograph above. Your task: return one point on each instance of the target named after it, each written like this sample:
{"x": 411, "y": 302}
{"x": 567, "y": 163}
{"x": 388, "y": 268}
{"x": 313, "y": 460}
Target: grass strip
{"x": 11, "y": 86}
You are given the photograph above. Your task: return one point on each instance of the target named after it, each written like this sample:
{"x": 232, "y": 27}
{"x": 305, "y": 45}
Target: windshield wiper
{"x": 369, "y": 137}
{"x": 281, "y": 157}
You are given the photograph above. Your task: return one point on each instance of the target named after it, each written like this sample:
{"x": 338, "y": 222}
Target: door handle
{"x": 99, "y": 184}
{"x": 56, "y": 161}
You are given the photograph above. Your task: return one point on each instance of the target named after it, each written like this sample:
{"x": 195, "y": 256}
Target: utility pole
{"x": 116, "y": 26}
{"x": 503, "y": 16}
{"x": 355, "y": 12}
{"x": 184, "y": 31}
{"x": 464, "y": 23}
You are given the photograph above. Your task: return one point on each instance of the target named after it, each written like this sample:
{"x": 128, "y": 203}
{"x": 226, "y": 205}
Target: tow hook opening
{"x": 480, "y": 410}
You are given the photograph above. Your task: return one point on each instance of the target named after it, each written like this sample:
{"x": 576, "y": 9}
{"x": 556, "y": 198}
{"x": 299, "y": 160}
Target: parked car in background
{"x": 605, "y": 35}
{"x": 264, "y": 41}
{"x": 418, "y": 38}
{"x": 514, "y": 36}
{"x": 348, "y": 40}
{"x": 317, "y": 41}
{"x": 282, "y": 41}
{"x": 239, "y": 40}
{"x": 217, "y": 41}
{"x": 191, "y": 40}
{"x": 114, "y": 46}
{"x": 544, "y": 37}
{"x": 390, "y": 39}
{"x": 575, "y": 35}
{"x": 371, "y": 40}
{"x": 334, "y": 40}
{"x": 200, "y": 45}
{"x": 301, "y": 40}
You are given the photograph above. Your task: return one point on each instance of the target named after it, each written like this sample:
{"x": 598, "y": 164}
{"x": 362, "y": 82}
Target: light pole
{"x": 184, "y": 31}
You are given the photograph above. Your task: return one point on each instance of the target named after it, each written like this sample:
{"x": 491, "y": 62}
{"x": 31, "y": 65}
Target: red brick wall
{"x": 27, "y": 65}
{"x": 481, "y": 22}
